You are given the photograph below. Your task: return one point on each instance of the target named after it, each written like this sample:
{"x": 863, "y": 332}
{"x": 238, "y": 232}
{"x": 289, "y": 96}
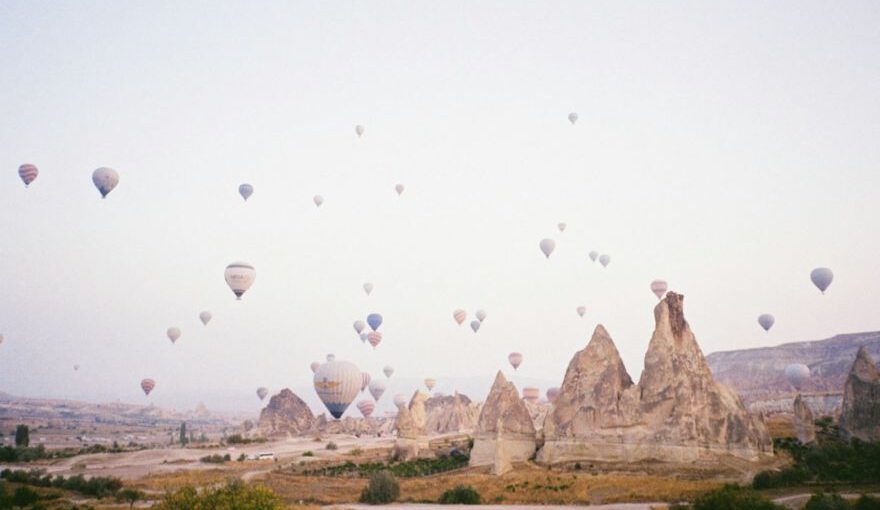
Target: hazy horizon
{"x": 728, "y": 149}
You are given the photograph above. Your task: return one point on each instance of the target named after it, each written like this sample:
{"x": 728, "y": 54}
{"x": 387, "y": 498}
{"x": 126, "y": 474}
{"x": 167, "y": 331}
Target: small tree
{"x": 130, "y": 496}
{"x": 183, "y": 433}
{"x": 22, "y": 436}
{"x": 381, "y": 489}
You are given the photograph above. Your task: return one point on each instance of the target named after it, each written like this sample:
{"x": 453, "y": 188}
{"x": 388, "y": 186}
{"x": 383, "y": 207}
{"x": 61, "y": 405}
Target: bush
{"x": 332, "y": 446}
{"x": 866, "y": 503}
{"x": 130, "y": 496}
{"x": 822, "y": 501}
{"x": 24, "y": 496}
{"x": 216, "y": 458}
{"x": 461, "y": 495}
{"x": 234, "y": 495}
{"x": 734, "y": 497}
{"x": 308, "y": 453}
{"x": 381, "y": 489}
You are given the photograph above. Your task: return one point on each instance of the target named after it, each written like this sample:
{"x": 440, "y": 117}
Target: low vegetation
{"x": 822, "y": 501}
{"x": 235, "y": 495}
{"x": 239, "y": 439}
{"x": 831, "y": 461}
{"x": 460, "y": 495}
{"x": 408, "y": 469}
{"x": 216, "y": 458}
{"x": 39, "y": 452}
{"x": 381, "y": 489}
{"x": 96, "y": 486}
{"x": 730, "y": 497}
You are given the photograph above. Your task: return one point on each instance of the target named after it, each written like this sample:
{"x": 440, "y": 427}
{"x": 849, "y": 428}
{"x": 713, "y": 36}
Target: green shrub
{"x": 130, "y": 496}
{"x": 866, "y": 503}
{"x": 308, "y": 453}
{"x": 24, "y": 496}
{"x": 234, "y": 495}
{"x": 461, "y": 495}
{"x": 734, "y": 497}
{"x": 332, "y": 446}
{"x": 822, "y": 501}
{"x": 381, "y": 489}
{"x": 216, "y": 458}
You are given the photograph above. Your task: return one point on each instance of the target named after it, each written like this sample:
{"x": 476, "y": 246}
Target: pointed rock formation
{"x": 502, "y": 462}
{"x": 451, "y": 414}
{"x": 676, "y": 413}
{"x": 504, "y": 418}
{"x": 804, "y": 427}
{"x": 286, "y": 415}
{"x": 860, "y": 416}
{"x": 412, "y": 438}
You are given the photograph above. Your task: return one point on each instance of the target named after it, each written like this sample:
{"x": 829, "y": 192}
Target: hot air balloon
{"x": 547, "y": 246}
{"x": 377, "y": 388}
{"x": 459, "y": 316}
{"x": 262, "y": 392}
{"x": 173, "y": 334}
{"x": 359, "y": 326}
{"x": 368, "y": 288}
{"x": 366, "y": 407}
{"x": 365, "y": 380}
{"x": 318, "y": 200}
{"x": 374, "y": 337}
{"x": 430, "y": 383}
{"x": 337, "y": 384}
{"x": 314, "y": 366}
{"x": 105, "y": 180}
{"x": 388, "y": 370}
{"x": 475, "y": 325}
{"x": 245, "y": 190}
{"x": 552, "y": 393}
{"x": 240, "y": 276}
{"x": 531, "y": 394}
{"x": 147, "y": 385}
{"x": 515, "y": 359}
{"x": 399, "y": 189}
{"x": 76, "y": 367}
{"x": 481, "y": 315}
{"x": 581, "y": 310}
{"x": 374, "y": 320}
{"x": 822, "y": 277}
{"x": 561, "y": 227}
{"x": 604, "y": 260}
{"x": 359, "y": 130}
{"x": 594, "y": 255}
{"x": 766, "y": 321}
{"x": 205, "y": 317}
{"x": 364, "y": 336}
{"x": 28, "y": 173}
{"x": 658, "y": 287}
{"x": 399, "y": 400}
{"x": 797, "y": 374}
{"x": 572, "y": 117}
{"x": 331, "y": 357}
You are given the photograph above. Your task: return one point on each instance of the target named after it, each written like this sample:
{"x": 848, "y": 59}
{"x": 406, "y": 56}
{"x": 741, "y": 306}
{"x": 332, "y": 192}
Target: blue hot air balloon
{"x": 374, "y": 320}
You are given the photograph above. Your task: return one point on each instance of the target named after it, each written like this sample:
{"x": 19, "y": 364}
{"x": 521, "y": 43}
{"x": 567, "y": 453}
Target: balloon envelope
{"x": 331, "y": 357}
{"x": 531, "y": 394}
{"x": 459, "y": 316}
{"x": 366, "y": 407}
{"x": 658, "y": 287}
{"x": 374, "y": 337}
{"x": 262, "y": 392}
{"x": 400, "y": 400}
{"x": 766, "y": 321}
{"x": 105, "y": 180}
{"x": 364, "y": 336}
{"x": 561, "y": 227}
{"x": 147, "y": 385}
{"x": 515, "y": 359}
{"x": 374, "y": 320}
{"x": 594, "y": 255}
{"x": 240, "y": 276}
{"x": 314, "y": 366}
{"x": 547, "y": 246}
{"x": 797, "y": 374}
{"x": 205, "y": 317}
{"x": 581, "y": 310}
{"x": 337, "y": 383}
{"x": 28, "y": 173}
{"x": 368, "y": 288}
{"x": 359, "y": 130}
{"x": 604, "y": 260}
{"x": 475, "y": 325}
{"x": 318, "y": 200}
{"x": 365, "y": 380}
{"x": 359, "y": 326}
{"x": 173, "y": 334}
{"x": 481, "y": 315}
{"x": 388, "y": 370}
{"x": 245, "y": 190}
{"x": 572, "y": 117}
{"x": 552, "y": 393}
{"x": 399, "y": 189}
{"x": 377, "y": 388}
{"x": 430, "y": 383}
{"x": 822, "y": 277}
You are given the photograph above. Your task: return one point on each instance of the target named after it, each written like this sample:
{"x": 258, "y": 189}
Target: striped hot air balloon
{"x": 366, "y": 407}
{"x": 531, "y": 394}
{"x": 240, "y": 276}
{"x": 374, "y": 337}
{"x": 552, "y": 393}
{"x": 515, "y": 359}
{"x": 377, "y": 388}
{"x": 28, "y": 173}
{"x": 365, "y": 380}
{"x": 147, "y": 385}
{"x": 459, "y": 316}
{"x": 658, "y": 287}
{"x": 262, "y": 392}
{"x": 105, "y": 179}
{"x": 430, "y": 382}
{"x": 173, "y": 334}
{"x": 337, "y": 383}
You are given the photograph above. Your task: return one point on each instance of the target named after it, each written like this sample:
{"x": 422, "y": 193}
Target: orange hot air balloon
{"x": 459, "y": 316}
{"x": 147, "y": 385}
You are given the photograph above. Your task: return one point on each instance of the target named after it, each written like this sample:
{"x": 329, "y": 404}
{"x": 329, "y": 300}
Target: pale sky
{"x": 728, "y": 148}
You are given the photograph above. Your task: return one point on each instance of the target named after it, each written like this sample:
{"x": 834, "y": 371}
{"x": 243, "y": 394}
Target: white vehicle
{"x": 265, "y": 456}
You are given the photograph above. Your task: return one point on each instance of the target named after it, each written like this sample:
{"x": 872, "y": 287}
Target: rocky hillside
{"x": 758, "y": 374}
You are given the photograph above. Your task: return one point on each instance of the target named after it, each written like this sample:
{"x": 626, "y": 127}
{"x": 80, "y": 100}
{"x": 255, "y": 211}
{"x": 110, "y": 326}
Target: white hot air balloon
{"x": 337, "y": 383}
{"x": 604, "y": 260}
{"x": 359, "y": 130}
{"x": 481, "y": 315}
{"x": 388, "y": 370}
{"x": 245, "y": 190}
{"x": 28, "y": 172}
{"x": 364, "y": 336}
{"x": 658, "y": 287}
{"x": 531, "y": 394}
{"x": 366, "y": 407}
{"x": 547, "y": 246}
{"x": 359, "y": 326}
{"x": 594, "y": 255}
{"x": 105, "y": 180}
{"x": 368, "y": 288}
{"x": 766, "y": 321}
{"x": 459, "y": 316}
{"x": 822, "y": 278}
{"x": 572, "y": 117}
{"x": 561, "y": 227}
{"x": 399, "y": 400}
{"x": 377, "y": 388}
{"x": 315, "y": 366}
{"x": 262, "y": 392}
{"x": 430, "y": 382}
{"x": 475, "y": 325}
{"x": 797, "y": 374}
{"x": 240, "y": 276}
{"x": 399, "y": 189}
{"x": 365, "y": 380}
{"x": 205, "y": 317}
{"x": 173, "y": 334}
{"x": 318, "y": 200}
{"x": 515, "y": 359}
{"x": 581, "y": 310}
